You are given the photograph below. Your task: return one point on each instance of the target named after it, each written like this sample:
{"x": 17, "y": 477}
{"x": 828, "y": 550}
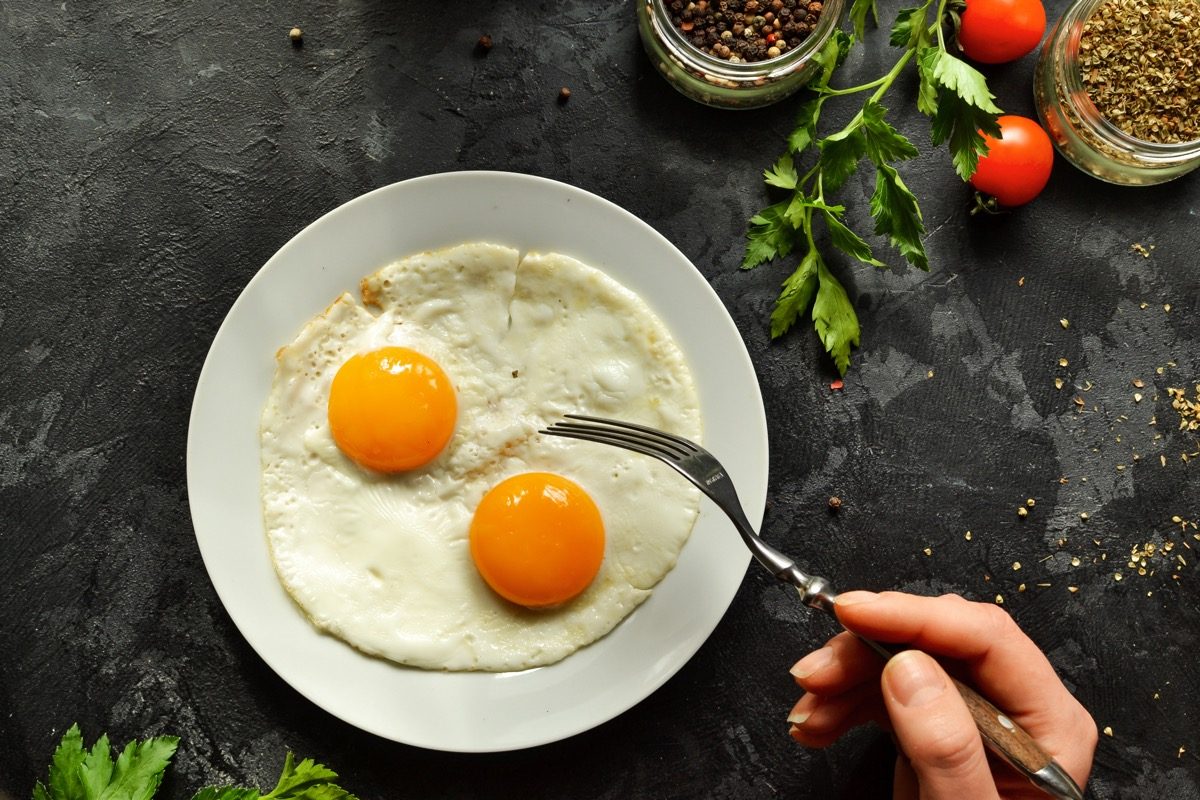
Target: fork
{"x": 1003, "y": 736}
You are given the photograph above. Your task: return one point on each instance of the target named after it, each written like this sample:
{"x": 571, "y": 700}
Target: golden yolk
{"x": 391, "y": 409}
{"x": 537, "y": 539}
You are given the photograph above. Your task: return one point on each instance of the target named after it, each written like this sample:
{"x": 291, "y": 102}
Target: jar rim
{"x": 778, "y": 66}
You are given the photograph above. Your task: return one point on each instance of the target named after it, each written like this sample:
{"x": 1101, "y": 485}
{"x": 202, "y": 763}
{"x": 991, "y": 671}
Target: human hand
{"x": 942, "y": 756}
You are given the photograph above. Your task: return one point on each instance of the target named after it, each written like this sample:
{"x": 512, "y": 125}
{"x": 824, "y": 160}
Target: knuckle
{"x": 951, "y": 752}
{"x": 1000, "y": 624}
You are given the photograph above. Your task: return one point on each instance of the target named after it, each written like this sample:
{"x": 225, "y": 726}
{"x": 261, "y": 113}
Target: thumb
{"x": 935, "y": 730}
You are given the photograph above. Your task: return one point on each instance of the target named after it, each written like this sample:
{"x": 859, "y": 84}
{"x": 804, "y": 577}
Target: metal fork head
{"x": 708, "y": 475}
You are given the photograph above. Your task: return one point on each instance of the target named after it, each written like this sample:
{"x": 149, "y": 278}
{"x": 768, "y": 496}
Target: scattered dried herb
{"x": 1138, "y": 63}
{"x": 1189, "y": 410}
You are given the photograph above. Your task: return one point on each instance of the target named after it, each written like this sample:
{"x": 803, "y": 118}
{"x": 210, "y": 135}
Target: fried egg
{"x": 412, "y": 509}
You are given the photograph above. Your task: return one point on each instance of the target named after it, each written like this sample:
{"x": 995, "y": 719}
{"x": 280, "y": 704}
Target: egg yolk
{"x": 391, "y": 409}
{"x": 537, "y": 539}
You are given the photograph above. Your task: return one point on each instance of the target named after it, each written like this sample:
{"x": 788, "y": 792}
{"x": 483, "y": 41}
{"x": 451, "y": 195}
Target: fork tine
{"x": 688, "y": 445}
{"x": 592, "y": 435}
{"x": 667, "y": 448}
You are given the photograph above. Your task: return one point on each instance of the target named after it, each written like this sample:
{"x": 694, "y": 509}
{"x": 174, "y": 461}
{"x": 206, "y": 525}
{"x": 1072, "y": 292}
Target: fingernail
{"x": 914, "y": 679}
{"x": 818, "y": 659}
{"x": 794, "y": 732}
{"x": 854, "y": 598}
{"x": 798, "y": 717}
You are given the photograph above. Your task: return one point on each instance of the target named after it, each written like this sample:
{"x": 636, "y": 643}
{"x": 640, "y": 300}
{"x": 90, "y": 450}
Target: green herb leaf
{"x": 806, "y": 126}
{"x": 961, "y": 78}
{"x": 226, "y": 793}
{"x": 859, "y": 10}
{"x": 964, "y": 108}
{"x": 898, "y": 216}
{"x": 883, "y": 142}
{"x": 140, "y": 767}
{"x": 927, "y": 92}
{"x": 79, "y": 774}
{"x": 840, "y": 154}
{"x": 909, "y": 29}
{"x": 307, "y": 780}
{"x": 769, "y": 236}
{"x": 797, "y": 294}
{"x": 830, "y": 57}
{"x": 848, "y": 241}
{"x": 65, "y": 780}
{"x": 834, "y": 318}
{"x": 783, "y": 174}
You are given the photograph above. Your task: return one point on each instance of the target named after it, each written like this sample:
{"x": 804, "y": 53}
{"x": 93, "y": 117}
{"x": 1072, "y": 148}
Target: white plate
{"x": 467, "y": 712}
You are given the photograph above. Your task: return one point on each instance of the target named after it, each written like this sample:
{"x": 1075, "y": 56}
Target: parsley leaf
{"x": 963, "y": 108}
{"x": 770, "y": 236}
{"x": 859, "y": 10}
{"x": 839, "y": 157}
{"x": 848, "y": 241}
{"x": 909, "y": 30}
{"x": 783, "y": 174}
{"x": 805, "y": 131}
{"x": 898, "y": 216}
{"x": 883, "y": 142}
{"x": 80, "y": 774}
{"x": 307, "y": 780}
{"x": 796, "y": 296}
{"x": 834, "y": 318}
{"x": 77, "y": 773}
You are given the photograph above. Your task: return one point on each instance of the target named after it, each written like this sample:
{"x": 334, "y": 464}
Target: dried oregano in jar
{"x": 1117, "y": 87}
{"x": 1139, "y": 61}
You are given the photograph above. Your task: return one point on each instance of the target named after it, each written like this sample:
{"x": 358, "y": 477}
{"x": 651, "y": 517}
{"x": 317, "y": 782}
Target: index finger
{"x": 1004, "y": 663}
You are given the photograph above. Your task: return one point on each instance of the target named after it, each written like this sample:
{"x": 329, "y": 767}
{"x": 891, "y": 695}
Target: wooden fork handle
{"x": 1013, "y": 743}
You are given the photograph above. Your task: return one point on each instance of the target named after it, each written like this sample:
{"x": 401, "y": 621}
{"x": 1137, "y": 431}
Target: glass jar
{"x": 1081, "y": 134}
{"x": 719, "y": 83}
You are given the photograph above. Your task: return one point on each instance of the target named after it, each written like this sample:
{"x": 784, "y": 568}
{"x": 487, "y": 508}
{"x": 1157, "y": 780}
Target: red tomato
{"x": 1017, "y": 165}
{"x": 995, "y": 31}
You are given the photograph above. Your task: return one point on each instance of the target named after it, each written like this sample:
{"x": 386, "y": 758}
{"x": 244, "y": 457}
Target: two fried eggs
{"x": 410, "y": 506}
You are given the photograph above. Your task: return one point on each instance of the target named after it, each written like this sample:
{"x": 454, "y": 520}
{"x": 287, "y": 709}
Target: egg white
{"x": 383, "y": 561}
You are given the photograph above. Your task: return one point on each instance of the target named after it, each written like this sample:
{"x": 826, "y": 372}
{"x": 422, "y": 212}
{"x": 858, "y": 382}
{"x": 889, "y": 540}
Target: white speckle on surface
{"x": 375, "y": 139}
{"x": 210, "y": 71}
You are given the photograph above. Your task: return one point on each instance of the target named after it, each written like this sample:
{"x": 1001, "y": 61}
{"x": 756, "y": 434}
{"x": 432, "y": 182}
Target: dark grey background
{"x": 155, "y": 155}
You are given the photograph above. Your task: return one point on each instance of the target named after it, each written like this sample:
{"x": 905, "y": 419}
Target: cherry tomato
{"x": 1017, "y": 165}
{"x": 996, "y": 31}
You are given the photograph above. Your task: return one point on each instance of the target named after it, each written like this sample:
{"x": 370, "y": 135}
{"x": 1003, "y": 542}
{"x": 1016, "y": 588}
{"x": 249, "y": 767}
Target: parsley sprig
{"x": 79, "y": 773}
{"x": 951, "y": 93}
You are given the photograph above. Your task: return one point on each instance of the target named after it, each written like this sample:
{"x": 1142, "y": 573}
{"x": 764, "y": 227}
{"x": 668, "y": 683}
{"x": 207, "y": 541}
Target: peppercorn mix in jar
{"x": 737, "y": 53}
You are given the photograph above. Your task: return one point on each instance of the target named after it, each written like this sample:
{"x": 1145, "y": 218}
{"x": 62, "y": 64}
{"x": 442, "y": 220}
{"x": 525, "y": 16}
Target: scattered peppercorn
{"x": 564, "y": 94}
{"x": 297, "y": 37}
{"x": 835, "y": 503}
{"x": 484, "y": 44}
{"x": 744, "y": 31}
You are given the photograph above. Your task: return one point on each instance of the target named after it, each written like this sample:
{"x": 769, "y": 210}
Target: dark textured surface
{"x": 154, "y": 156}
